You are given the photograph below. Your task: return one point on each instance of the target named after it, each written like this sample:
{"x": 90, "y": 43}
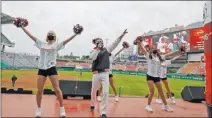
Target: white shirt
{"x": 161, "y": 47}
{"x": 170, "y": 46}
{"x": 182, "y": 40}
{"x": 163, "y": 68}
{"x": 153, "y": 66}
{"x": 48, "y": 53}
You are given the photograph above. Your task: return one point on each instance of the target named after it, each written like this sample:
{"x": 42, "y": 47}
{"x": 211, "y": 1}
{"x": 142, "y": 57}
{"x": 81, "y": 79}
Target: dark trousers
{"x": 13, "y": 83}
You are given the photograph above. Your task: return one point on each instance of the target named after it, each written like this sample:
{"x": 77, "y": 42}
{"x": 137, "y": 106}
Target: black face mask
{"x": 50, "y": 37}
{"x": 154, "y": 51}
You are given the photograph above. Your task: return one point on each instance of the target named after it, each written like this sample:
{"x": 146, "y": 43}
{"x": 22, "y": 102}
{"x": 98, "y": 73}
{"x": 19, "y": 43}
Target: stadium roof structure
{"x": 6, "y": 19}
{"x": 175, "y": 29}
{"x": 195, "y": 25}
{"x": 6, "y": 41}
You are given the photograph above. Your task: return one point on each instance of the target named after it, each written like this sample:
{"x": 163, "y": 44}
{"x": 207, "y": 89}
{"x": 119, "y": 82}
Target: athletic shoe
{"x": 158, "y": 101}
{"x": 62, "y": 112}
{"x": 38, "y": 112}
{"x": 167, "y": 108}
{"x": 116, "y": 98}
{"x": 103, "y": 116}
{"x": 173, "y": 100}
{"x": 99, "y": 98}
{"x": 149, "y": 108}
{"x": 92, "y": 108}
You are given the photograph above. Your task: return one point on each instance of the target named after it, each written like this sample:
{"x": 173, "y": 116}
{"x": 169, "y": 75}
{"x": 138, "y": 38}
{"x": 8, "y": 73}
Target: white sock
{"x": 62, "y": 108}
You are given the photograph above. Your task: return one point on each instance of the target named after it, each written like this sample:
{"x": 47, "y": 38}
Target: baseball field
{"x": 131, "y": 85}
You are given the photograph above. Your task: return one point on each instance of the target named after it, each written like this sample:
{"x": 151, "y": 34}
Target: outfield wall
{"x": 169, "y": 75}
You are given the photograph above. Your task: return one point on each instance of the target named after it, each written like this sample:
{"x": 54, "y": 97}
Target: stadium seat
{"x": 189, "y": 68}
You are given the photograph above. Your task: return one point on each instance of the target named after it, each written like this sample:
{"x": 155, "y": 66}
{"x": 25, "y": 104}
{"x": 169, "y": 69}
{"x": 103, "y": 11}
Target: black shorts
{"x": 154, "y": 79}
{"x": 163, "y": 78}
{"x": 48, "y": 72}
{"x": 110, "y": 75}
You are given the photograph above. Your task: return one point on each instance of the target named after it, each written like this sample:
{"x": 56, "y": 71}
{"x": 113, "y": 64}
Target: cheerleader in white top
{"x": 112, "y": 58}
{"x": 162, "y": 75}
{"x": 153, "y": 61}
{"x": 47, "y": 63}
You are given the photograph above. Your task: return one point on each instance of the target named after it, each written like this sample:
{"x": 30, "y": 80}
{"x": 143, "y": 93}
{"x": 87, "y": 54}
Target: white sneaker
{"x": 158, "y": 101}
{"x": 62, "y": 112}
{"x": 149, "y": 108}
{"x": 38, "y": 112}
{"x": 116, "y": 98}
{"x": 99, "y": 98}
{"x": 167, "y": 108}
{"x": 173, "y": 100}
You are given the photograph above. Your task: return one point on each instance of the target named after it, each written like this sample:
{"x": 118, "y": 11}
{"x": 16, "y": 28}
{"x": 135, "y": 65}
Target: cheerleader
{"x": 162, "y": 75}
{"x": 47, "y": 62}
{"x": 153, "y": 61}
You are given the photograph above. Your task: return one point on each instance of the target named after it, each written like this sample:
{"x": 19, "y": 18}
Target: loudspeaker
{"x": 11, "y": 91}
{"x": 3, "y": 90}
{"x": 74, "y": 88}
{"x": 194, "y": 94}
{"x": 48, "y": 92}
{"x": 19, "y": 90}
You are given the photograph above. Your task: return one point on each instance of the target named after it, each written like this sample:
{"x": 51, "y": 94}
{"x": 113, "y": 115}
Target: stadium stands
{"x": 85, "y": 65}
{"x": 119, "y": 67}
{"x": 61, "y": 63}
{"x": 131, "y": 67}
{"x": 4, "y": 65}
{"x": 200, "y": 70}
{"x": 19, "y": 60}
{"x": 189, "y": 68}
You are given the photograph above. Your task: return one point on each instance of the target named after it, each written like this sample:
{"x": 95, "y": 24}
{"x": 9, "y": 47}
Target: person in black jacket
{"x": 14, "y": 78}
{"x": 100, "y": 68}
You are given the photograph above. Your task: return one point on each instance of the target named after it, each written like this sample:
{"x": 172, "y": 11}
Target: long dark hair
{"x": 158, "y": 55}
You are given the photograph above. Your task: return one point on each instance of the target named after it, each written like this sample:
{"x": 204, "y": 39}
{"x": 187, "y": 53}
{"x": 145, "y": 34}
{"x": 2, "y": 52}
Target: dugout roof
{"x": 6, "y": 19}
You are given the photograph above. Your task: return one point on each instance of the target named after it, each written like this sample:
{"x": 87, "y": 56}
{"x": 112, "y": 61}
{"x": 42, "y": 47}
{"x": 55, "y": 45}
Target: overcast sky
{"x": 106, "y": 19}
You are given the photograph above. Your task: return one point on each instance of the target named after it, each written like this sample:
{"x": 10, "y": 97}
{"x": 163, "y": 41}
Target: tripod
{"x": 76, "y": 83}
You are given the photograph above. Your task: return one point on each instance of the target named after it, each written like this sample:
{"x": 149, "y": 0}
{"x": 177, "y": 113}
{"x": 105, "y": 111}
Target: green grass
{"x": 131, "y": 85}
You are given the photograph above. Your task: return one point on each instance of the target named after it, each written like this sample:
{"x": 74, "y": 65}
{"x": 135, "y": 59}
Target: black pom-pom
{"x": 78, "y": 29}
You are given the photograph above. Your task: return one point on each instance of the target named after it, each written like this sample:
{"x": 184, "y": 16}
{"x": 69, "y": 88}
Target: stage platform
{"x": 17, "y": 105}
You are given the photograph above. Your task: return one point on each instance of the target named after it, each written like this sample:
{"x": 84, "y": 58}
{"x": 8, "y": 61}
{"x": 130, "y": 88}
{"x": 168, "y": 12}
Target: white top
{"x": 161, "y": 47}
{"x": 163, "y": 68}
{"x": 112, "y": 58}
{"x": 170, "y": 46}
{"x": 153, "y": 66}
{"x": 48, "y": 53}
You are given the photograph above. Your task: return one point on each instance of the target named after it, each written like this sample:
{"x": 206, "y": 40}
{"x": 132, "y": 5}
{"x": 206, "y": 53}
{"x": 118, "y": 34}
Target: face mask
{"x": 51, "y": 37}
